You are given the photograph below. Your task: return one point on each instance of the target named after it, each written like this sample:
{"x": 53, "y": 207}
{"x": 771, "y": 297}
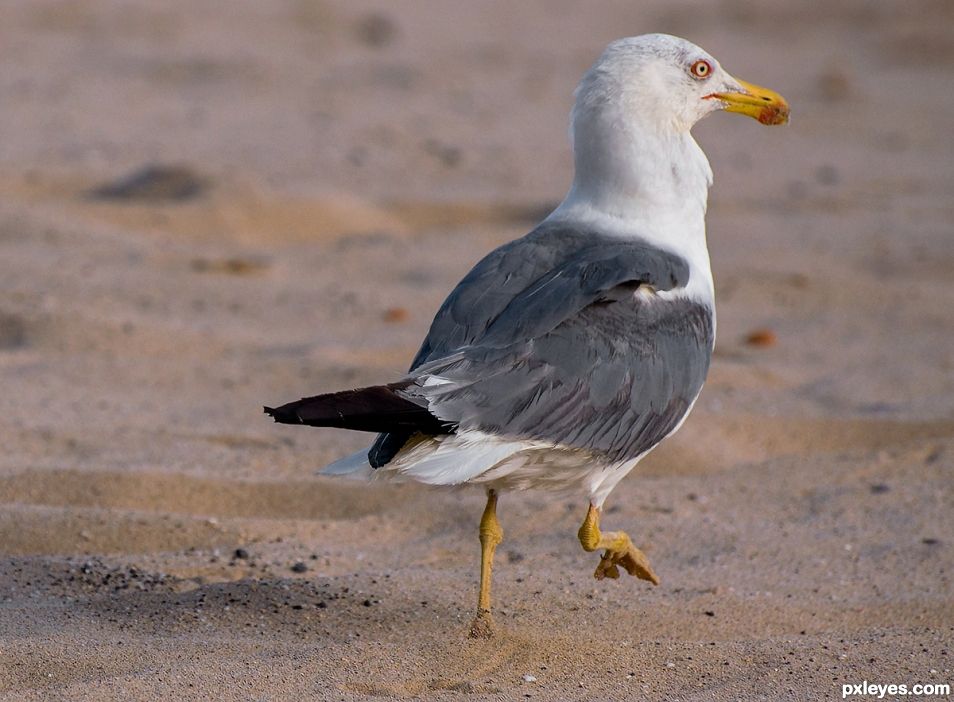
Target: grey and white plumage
{"x": 563, "y": 357}
{"x": 559, "y": 339}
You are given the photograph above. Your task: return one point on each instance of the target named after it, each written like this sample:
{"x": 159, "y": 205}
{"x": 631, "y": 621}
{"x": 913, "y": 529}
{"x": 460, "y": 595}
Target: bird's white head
{"x": 667, "y": 84}
{"x": 631, "y": 122}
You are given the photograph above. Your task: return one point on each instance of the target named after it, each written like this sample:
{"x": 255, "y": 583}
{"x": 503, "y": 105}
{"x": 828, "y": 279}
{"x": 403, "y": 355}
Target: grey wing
{"x": 477, "y": 300}
{"x": 490, "y": 286}
{"x": 532, "y": 284}
{"x": 615, "y": 379}
{"x": 519, "y": 328}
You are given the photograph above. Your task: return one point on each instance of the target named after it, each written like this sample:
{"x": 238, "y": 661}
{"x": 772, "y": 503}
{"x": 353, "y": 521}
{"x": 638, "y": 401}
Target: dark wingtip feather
{"x": 380, "y": 408}
{"x": 282, "y": 415}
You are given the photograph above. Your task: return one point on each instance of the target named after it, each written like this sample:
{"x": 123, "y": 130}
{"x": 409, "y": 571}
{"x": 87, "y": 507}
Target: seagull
{"x": 565, "y": 356}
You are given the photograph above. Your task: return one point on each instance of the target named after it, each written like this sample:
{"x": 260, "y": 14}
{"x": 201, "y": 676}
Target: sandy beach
{"x": 209, "y": 207}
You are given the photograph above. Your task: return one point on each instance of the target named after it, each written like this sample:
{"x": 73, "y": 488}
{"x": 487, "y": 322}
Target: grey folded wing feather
{"x": 544, "y": 277}
{"x": 545, "y": 338}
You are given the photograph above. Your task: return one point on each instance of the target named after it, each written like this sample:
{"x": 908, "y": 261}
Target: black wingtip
{"x": 378, "y": 409}
{"x": 282, "y": 415}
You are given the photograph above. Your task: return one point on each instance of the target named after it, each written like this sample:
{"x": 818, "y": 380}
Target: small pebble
{"x": 529, "y": 678}
{"x": 241, "y": 553}
{"x": 761, "y": 338}
{"x": 376, "y": 30}
{"x": 835, "y": 83}
{"x": 393, "y": 315}
{"x": 826, "y": 175}
{"x": 299, "y": 567}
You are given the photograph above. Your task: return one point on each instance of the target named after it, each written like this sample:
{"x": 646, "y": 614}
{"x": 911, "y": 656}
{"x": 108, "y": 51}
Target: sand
{"x": 335, "y": 168}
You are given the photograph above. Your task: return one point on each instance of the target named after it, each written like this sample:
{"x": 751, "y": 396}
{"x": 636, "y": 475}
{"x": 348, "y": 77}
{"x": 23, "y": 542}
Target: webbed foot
{"x": 619, "y": 551}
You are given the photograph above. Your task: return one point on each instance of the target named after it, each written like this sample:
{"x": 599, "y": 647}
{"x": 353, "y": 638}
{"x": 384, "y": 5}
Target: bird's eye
{"x": 701, "y": 69}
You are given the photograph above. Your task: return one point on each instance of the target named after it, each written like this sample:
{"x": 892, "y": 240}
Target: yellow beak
{"x": 765, "y": 105}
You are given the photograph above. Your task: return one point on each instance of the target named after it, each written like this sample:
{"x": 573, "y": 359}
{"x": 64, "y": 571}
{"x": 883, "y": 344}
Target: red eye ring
{"x": 701, "y": 69}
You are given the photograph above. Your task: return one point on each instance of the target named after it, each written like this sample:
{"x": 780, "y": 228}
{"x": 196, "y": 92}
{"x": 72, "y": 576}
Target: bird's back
{"x": 562, "y": 336}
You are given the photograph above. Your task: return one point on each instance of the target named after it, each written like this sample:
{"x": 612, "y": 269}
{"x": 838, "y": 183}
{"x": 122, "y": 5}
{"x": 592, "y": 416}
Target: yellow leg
{"x": 620, "y": 550}
{"x": 490, "y": 535}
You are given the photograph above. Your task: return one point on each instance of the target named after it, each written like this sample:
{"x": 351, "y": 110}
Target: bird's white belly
{"x": 478, "y": 458}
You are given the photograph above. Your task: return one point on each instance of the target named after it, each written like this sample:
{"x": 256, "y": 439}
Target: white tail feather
{"x": 355, "y": 466}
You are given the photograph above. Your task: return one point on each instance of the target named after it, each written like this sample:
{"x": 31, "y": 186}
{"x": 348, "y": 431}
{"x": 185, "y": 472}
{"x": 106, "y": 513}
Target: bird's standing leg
{"x": 490, "y": 535}
{"x": 619, "y": 550}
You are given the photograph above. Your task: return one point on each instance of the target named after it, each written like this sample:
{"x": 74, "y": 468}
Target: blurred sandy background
{"x": 322, "y": 174}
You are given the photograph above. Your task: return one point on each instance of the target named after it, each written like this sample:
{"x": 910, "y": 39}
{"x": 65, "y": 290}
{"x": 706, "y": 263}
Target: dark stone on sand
{"x": 241, "y": 553}
{"x": 448, "y": 155}
{"x": 234, "y": 265}
{"x": 299, "y": 567}
{"x": 835, "y": 84}
{"x": 377, "y": 30}
{"x": 155, "y": 183}
{"x": 13, "y": 331}
{"x": 827, "y": 175}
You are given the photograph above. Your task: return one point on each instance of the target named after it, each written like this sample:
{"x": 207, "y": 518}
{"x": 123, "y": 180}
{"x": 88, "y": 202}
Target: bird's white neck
{"x": 634, "y": 170}
{"x": 637, "y": 181}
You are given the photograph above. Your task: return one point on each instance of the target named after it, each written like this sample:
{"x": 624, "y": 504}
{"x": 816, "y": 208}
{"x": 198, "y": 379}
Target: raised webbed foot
{"x": 619, "y": 551}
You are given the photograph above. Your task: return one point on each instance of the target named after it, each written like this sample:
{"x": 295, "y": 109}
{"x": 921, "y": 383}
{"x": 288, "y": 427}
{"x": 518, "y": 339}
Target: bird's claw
{"x": 633, "y": 561}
